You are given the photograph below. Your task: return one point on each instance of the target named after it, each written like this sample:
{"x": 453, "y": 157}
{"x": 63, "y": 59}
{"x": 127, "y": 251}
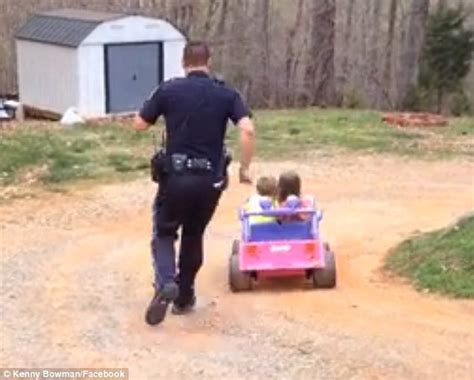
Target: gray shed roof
{"x": 65, "y": 27}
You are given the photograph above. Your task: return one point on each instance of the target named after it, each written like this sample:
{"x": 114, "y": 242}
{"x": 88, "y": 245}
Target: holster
{"x": 159, "y": 166}
{"x": 226, "y": 160}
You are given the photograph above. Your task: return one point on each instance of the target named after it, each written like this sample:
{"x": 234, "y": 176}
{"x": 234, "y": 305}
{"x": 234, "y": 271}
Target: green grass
{"x": 441, "y": 261}
{"x": 286, "y": 133}
{"x": 53, "y": 154}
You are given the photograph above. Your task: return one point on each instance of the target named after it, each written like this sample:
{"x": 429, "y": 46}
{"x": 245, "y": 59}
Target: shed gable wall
{"x": 47, "y": 76}
{"x": 133, "y": 29}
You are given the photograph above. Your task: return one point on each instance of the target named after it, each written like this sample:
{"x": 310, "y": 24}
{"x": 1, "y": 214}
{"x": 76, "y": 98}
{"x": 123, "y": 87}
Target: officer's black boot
{"x": 184, "y": 305}
{"x": 156, "y": 311}
{"x": 185, "y": 301}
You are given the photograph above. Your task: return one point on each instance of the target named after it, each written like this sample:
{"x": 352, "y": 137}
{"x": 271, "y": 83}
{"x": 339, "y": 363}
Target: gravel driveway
{"x": 76, "y": 279}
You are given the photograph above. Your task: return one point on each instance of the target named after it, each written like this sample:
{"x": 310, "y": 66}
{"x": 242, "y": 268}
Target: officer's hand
{"x": 244, "y": 176}
{"x": 140, "y": 124}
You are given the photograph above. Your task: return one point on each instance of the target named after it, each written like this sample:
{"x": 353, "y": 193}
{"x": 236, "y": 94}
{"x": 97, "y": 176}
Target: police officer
{"x": 196, "y": 109}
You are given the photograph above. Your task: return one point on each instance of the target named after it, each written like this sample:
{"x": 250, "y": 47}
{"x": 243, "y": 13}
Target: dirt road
{"x": 76, "y": 279}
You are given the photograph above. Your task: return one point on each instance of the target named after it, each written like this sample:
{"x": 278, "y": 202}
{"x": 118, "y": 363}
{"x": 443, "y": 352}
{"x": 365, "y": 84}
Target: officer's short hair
{"x": 267, "y": 186}
{"x": 196, "y": 53}
{"x": 289, "y": 183}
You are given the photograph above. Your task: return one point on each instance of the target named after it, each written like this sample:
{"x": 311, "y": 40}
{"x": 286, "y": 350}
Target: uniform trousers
{"x": 186, "y": 202}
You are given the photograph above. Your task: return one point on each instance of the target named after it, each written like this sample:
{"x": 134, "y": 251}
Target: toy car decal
{"x": 280, "y": 248}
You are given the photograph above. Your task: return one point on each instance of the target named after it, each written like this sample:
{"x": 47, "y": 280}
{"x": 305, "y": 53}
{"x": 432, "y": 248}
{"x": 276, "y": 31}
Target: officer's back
{"x": 196, "y": 111}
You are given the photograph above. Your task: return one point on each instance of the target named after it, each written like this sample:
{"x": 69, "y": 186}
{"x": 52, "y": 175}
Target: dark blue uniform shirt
{"x": 196, "y": 111}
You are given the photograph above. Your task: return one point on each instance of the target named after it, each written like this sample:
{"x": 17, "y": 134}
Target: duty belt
{"x": 181, "y": 163}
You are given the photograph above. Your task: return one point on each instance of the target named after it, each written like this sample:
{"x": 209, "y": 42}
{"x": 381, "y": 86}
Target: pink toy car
{"x": 281, "y": 248}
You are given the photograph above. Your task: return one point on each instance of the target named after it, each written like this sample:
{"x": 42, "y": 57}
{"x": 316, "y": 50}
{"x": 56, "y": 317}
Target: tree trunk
{"x": 412, "y": 49}
{"x": 212, "y": 7}
{"x": 363, "y": 56}
{"x": 220, "y": 35}
{"x": 442, "y": 4}
{"x": 388, "y": 66}
{"x": 261, "y": 18}
{"x": 290, "y": 55}
{"x": 320, "y": 73}
{"x": 373, "y": 69}
{"x": 347, "y": 44}
{"x": 266, "y": 49}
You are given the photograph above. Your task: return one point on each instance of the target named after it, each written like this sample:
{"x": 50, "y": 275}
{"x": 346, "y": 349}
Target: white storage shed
{"x": 99, "y": 63}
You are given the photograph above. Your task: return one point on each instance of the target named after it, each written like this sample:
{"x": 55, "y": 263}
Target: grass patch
{"x": 51, "y": 154}
{"x": 54, "y": 154}
{"x": 441, "y": 261}
{"x": 287, "y": 133}
{"x": 125, "y": 162}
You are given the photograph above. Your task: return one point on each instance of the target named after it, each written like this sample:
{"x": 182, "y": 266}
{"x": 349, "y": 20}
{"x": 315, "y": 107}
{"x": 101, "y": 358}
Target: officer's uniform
{"x": 196, "y": 110}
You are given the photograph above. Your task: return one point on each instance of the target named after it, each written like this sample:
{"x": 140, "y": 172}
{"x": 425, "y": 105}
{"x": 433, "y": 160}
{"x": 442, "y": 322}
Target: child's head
{"x": 267, "y": 186}
{"x": 289, "y": 183}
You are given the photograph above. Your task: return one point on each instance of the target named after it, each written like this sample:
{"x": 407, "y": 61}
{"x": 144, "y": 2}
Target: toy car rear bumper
{"x": 281, "y": 255}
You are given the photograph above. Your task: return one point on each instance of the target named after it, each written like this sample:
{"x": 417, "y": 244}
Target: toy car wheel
{"x": 326, "y": 277}
{"x": 238, "y": 281}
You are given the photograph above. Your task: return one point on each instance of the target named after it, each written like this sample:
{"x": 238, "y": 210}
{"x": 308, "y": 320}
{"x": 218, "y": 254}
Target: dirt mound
{"x": 409, "y": 119}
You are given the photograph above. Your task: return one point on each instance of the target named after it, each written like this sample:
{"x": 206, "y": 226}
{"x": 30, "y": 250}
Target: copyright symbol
{"x": 6, "y": 374}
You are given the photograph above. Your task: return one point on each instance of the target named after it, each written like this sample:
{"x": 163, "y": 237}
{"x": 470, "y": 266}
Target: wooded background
{"x": 281, "y": 53}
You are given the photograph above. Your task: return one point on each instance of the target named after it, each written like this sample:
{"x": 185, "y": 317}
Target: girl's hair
{"x": 289, "y": 183}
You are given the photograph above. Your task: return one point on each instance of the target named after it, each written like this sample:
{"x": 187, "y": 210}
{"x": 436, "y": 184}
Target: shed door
{"x": 132, "y": 72}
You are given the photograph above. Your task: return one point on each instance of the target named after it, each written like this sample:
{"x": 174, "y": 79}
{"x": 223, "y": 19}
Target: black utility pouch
{"x": 225, "y": 163}
{"x": 227, "y": 158}
{"x": 158, "y": 166}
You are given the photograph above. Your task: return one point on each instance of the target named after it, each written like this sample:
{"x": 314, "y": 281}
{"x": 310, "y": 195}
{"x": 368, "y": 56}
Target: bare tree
{"x": 374, "y": 88}
{"x": 442, "y": 4}
{"x": 348, "y": 30}
{"x": 291, "y": 58}
{"x": 280, "y": 53}
{"x": 262, "y": 19}
{"x": 220, "y": 33}
{"x": 388, "y": 67}
{"x": 320, "y": 70}
{"x": 411, "y": 49}
{"x": 212, "y": 7}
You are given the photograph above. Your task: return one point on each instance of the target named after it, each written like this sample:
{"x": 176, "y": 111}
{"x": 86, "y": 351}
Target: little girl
{"x": 289, "y": 183}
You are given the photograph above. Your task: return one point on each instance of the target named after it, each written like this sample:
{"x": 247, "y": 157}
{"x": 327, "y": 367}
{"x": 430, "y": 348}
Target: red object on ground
{"x": 409, "y": 119}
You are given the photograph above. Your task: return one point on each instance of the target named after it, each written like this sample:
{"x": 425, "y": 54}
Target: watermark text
{"x": 64, "y": 373}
